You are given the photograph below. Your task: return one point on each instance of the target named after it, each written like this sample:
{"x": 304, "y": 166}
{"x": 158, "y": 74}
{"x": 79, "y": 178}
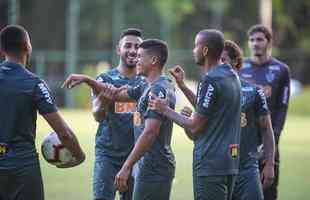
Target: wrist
{"x": 181, "y": 84}
{"x": 127, "y": 166}
{"x": 270, "y": 163}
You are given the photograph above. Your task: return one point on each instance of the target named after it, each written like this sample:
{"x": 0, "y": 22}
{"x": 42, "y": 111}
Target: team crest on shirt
{"x": 234, "y": 150}
{"x": 3, "y": 148}
{"x": 270, "y": 76}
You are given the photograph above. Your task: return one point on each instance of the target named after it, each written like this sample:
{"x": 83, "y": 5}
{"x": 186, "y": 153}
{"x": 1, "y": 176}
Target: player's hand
{"x": 186, "y": 111}
{"x": 158, "y": 104}
{"x": 121, "y": 179}
{"x": 178, "y": 73}
{"x": 74, "y": 162}
{"x": 267, "y": 175}
{"x": 74, "y": 80}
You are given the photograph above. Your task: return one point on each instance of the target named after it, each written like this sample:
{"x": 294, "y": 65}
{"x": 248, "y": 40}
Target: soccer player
{"x": 22, "y": 95}
{"x": 215, "y": 125}
{"x": 156, "y": 167}
{"x": 115, "y": 134}
{"x": 255, "y": 123}
{"x": 273, "y": 76}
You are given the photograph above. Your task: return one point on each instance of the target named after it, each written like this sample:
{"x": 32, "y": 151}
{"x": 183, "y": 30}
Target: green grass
{"x": 76, "y": 183}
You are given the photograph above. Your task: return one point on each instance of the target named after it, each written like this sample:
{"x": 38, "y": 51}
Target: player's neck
{"x": 21, "y": 60}
{"x": 129, "y": 72}
{"x": 259, "y": 60}
{"x": 210, "y": 63}
{"x": 153, "y": 76}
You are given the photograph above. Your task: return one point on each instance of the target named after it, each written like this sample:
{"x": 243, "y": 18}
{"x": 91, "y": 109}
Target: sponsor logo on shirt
{"x": 46, "y": 93}
{"x": 247, "y": 75}
{"x": 285, "y": 95}
{"x": 263, "y": 97}
{"x": 247, "y": 89}
{"x": 5, "y": 68}
{"x": 208, "y": 96}
{"x": 125, "y": 107}
{"x": 274, "y": 67}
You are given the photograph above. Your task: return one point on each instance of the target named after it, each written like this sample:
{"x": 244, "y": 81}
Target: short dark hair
{"x": 131, "y": 31}
{"x": 234, "y": 53}
{"x": 157, "y": 47}
{"x": 214, "y": 40}
{"x": 260, "y": 28}
{"x": 12, "y": 38}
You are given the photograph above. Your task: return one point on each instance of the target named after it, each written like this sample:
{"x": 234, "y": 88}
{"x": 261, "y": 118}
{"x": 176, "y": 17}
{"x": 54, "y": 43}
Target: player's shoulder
{"x": 108, "y": 75}
{"x": 278, "y": 65}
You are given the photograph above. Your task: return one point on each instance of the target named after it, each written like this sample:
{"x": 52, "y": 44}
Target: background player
{"x": 273, "y": 76}
{"x": 22, "y": 95}
{"x": 255, "y": 123}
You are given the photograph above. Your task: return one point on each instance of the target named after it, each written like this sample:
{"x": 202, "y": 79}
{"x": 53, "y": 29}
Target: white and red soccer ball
{"x": 54, "y": 151}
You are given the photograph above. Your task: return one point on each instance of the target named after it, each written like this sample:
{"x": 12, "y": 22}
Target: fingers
{"x": 120, "y": 183}
{"x": 72, "y": 81}
{"x": 66, "y": 82}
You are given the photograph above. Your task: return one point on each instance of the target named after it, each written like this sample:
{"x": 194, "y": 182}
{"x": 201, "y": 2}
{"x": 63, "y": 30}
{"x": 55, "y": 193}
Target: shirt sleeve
{"x": 282, "y": 102}
{"x": 261, "y": 106}
{"x": 206, "y": 97}
{"x": 161, "y": 93}
{"x": 44, "y": 101}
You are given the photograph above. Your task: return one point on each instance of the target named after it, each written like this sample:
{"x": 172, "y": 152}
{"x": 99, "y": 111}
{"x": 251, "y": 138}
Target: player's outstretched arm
{"x": 179, "y": 75}
{"x": 192, "y": 125}
{"x": 143, "y": 144}
{"x": 67, "y": 138}
{"x": 269, "y": 149}
{"x": 76, "y": 79}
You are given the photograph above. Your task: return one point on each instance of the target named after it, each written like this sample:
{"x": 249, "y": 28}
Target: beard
{"x": 199, "y": 60}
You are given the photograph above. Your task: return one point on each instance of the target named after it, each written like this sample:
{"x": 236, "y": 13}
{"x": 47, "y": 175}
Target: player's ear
{"x": 154, "y": 60}
{"x": 205, "y": 51}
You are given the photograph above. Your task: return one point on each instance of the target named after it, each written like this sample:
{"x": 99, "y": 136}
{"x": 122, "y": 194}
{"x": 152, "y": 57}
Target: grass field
{"x": 76, "y": 183}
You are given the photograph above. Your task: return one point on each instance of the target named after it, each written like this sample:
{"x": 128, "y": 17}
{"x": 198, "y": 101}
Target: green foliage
{"x": 82, "y": 93}
{"x": 300, "y": 104}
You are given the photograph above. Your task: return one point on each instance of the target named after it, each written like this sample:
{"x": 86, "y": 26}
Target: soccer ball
{"x": 54, "y": 152}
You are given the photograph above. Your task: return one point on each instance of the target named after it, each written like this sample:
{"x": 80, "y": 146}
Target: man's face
{"x": 225, "y": 58}
{"x": 128, "y": 47}
{"x": 28, "y": 44}
{"x": 198, "y": 51}
{"x": 144, "y": 62}
{"x": 258, "y": 44}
